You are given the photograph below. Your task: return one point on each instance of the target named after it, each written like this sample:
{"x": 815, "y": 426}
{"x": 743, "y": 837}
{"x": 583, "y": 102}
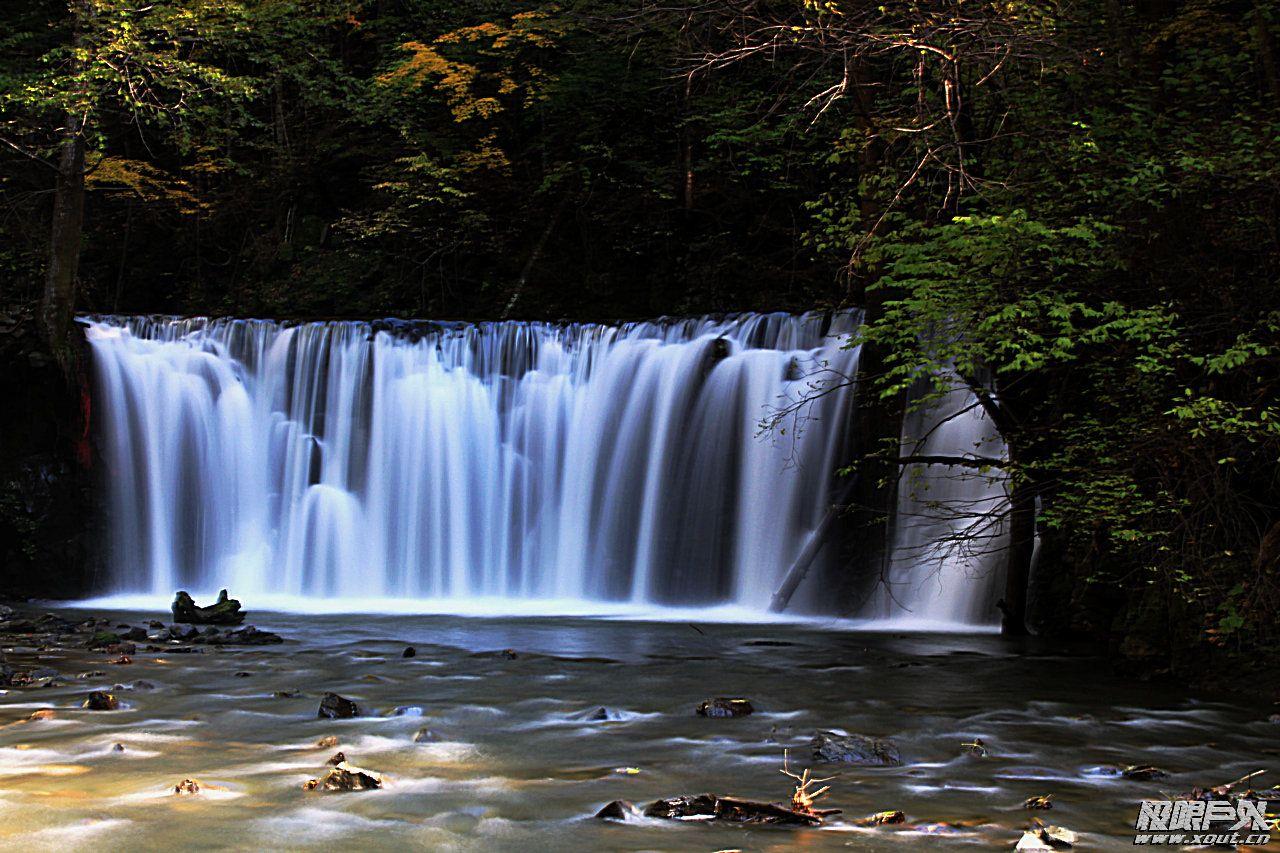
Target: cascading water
{"x": 457, "y": 463}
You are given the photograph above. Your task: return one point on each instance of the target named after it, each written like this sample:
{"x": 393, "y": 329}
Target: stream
{"x": 508, "y": 768}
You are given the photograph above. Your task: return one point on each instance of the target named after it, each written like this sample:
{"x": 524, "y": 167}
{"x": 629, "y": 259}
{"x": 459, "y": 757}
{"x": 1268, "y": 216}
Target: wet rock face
{"x": 725, "y": 707}
{"x": 855, "y": 749}
{"x": 335, "y": 707}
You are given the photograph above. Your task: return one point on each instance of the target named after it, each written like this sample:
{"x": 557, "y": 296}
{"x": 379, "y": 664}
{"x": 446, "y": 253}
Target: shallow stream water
{"x": 512, "y": 771}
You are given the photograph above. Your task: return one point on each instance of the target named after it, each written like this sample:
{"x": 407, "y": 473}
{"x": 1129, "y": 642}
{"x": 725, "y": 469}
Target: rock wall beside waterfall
{"x": 47, "y": 490}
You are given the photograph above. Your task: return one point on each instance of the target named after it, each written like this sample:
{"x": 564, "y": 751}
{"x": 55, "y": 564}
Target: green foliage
{"x": 1074, "y": 207}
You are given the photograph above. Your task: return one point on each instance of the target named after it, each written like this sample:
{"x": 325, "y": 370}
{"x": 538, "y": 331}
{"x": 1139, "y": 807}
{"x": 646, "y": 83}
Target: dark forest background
{"x": 1073, "y": 207}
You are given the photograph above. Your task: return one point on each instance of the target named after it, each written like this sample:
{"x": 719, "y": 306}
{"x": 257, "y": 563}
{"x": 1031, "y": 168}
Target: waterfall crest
{"x": 457, "y": 462}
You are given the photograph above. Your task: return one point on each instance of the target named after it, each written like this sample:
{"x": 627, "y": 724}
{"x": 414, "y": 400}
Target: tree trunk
{"x": 57, "y": 309}
{"x": 877, "y": 423}
{"x": 534, "y": 255}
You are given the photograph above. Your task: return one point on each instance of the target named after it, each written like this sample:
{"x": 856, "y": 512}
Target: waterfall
{"x": 571, "y": 464}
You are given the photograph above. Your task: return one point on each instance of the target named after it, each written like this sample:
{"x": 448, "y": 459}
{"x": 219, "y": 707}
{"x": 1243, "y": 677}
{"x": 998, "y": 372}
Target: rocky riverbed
{"x": 118, "y": 729}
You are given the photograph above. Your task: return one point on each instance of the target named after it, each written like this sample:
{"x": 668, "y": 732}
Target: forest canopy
{"x": 1074, "y": 206}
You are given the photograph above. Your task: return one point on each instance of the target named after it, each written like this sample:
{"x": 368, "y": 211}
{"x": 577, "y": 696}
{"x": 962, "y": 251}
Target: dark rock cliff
{"x": 47, "y": 466}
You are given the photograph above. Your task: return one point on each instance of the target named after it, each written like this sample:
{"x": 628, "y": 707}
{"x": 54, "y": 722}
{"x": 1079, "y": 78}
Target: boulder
{"x": 335, "y": 707}
{"x": 344, "y": 777}
{"x": 103, "y": 639}
{"x": 426, "y": 736}
{"x": 187, "y": 788}
{"x": 724, "y": 707}
{"x": 100, "y": 701}
{"x": 225, "y": 611}
{"x": 409, "y": 652}
{"x": 861, "y": 750}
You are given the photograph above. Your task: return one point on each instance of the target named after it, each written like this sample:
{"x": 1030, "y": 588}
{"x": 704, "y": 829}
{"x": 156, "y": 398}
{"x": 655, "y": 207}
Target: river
{"x": 509, "y": 769}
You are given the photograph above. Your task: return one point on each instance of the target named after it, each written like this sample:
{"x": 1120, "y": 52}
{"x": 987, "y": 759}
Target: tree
{"x": 143, "y": 66}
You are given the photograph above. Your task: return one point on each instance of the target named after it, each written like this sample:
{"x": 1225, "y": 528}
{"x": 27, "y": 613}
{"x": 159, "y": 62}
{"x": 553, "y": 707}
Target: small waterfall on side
{"x": 512, "y": 463}
{"x": 949, "y": 530}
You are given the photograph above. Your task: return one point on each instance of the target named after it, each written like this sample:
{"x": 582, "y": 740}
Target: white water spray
{"x": 467, "y": 462}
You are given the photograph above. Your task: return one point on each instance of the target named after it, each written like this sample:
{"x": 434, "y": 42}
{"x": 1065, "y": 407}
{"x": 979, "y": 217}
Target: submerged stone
{"x": 618, "y": 810}
{"x": 102, "y": 639}
{"x": 855, "y": 749}
{"x": 880, "y": 819}
{"x": 725, "y": 707}
{"x": 600, "y": 714}
{"x": 1142, "y": 772}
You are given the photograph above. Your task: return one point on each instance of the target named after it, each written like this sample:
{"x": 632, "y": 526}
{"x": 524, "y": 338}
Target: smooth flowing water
{"x": 507, "y": 466}
{"x": 512, "y": 769}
